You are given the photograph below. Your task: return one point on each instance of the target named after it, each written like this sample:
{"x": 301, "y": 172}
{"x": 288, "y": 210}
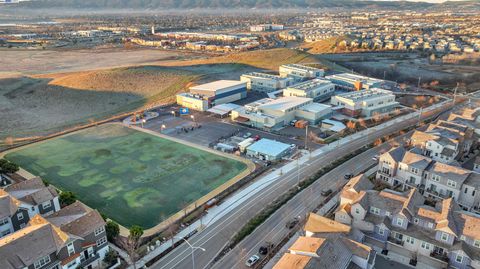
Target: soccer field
{"x": 131, "y": 176}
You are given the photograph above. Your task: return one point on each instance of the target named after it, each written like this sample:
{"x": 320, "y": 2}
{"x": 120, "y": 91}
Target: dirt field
{"x": 29, "y": 62}
{"x": 42, "y": 104}
{"x": 37, "y": 100}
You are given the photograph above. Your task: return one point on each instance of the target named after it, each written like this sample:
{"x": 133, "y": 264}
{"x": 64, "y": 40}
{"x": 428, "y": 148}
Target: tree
{"x": 133, "y": 241}
{"x": 67, "y": 198}
{"x": 7, "y": 167}
{"x": 110, "y": 257}
{"x": 112, "y": 229}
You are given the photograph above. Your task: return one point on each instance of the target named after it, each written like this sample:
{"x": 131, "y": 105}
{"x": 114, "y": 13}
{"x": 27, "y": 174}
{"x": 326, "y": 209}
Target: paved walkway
{"x": 216, "y": 213}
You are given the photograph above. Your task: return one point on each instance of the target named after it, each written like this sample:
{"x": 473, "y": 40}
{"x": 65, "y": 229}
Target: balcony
{"x": 442, "y": 257}
{"x": 395, "y": 241}
{"x": 89, "y": 260}
{"x": 436, "y": 193}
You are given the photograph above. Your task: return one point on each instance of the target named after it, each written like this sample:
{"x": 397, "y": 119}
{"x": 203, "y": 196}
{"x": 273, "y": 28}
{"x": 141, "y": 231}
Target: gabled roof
{"x": 292, "y": 261}
{"x": 32, "y": 191}
{"x": 8, "y": 204}
{"x": 468, "y": 224}
{"x": 446, "y": 221}
{"x": 307, "y": 245}
{"x": 77, "y": 219}
{"x": 22, "y": 248}
{"x": 451, "y": 172}
{"x": 320, "y": 224}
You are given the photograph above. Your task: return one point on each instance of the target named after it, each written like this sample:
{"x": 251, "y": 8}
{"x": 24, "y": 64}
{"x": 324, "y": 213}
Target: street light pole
{"x": 193, "y": 248}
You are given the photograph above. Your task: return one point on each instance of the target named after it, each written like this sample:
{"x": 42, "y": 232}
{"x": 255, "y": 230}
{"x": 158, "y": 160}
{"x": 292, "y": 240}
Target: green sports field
{"x": 131, "y": 176}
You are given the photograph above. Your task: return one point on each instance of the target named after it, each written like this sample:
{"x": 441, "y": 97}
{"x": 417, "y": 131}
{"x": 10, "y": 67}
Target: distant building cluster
{"x": 266, "y": 27}
{"x": 432, "y": 31}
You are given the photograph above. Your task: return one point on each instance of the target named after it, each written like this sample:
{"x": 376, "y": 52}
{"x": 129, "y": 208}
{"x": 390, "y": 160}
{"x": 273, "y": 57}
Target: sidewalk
{"x": 217, "y": 212}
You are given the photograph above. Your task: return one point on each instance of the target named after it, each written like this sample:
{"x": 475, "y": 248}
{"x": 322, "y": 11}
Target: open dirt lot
{"x": 42, "y": 104}
{"x": 36, "y": 99}
{"x": 29, "y": 62}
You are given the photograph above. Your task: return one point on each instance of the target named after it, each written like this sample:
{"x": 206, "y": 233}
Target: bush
{"x": 67, "y": 198}
{"x": 112, "y": 229}
{"x": 110, "y": 257}
{"x": 7, "y": 167}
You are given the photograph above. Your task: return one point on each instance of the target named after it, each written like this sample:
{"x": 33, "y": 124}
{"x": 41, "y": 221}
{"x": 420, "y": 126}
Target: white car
{"x": 252, "y": 260}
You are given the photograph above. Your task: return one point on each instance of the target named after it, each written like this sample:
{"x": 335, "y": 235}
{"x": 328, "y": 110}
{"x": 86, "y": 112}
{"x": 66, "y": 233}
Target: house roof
{"x": 451, "y": 172}
{"x": 24, "y": 247}
{"x": 32, "y": 191}
{"x": 319, "y": 224}
{"x": 77, "y": 219}
{"x": 8, "y": 204}
{"x": 307, "y": 244}
{"x": 292, "y": 261}
{"x": 355, "y": 185}
{"x": 357, "y": 249}
{"x": 468, "y": 224}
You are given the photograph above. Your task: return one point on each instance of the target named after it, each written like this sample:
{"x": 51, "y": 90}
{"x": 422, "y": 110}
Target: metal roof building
{"x": 267, "y": 149}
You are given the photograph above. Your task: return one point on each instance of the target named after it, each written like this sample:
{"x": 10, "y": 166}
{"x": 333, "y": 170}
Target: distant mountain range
{"x": 173, "y": 4}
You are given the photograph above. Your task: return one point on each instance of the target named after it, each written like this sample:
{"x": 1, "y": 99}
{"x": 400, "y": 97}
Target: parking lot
{"x": 206, "y": 129}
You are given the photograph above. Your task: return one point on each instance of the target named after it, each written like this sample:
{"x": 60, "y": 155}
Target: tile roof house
{"x": 13, "y": 216}
{"x": 33, "y": 193}
{"x": 435, "y": 180}
{"x": 70, "y": 238}
{"x": 327, "y": 244}
{"x": 401, "y": 222}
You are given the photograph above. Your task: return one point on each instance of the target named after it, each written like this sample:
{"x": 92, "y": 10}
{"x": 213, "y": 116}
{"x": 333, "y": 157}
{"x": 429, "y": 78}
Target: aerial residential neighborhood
{"x": 239, "y": 134}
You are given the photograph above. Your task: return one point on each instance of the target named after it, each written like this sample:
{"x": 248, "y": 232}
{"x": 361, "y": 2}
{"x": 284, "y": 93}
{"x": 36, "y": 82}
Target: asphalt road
{"x": 274, "y": 229}
{"x": 217, "y": 235}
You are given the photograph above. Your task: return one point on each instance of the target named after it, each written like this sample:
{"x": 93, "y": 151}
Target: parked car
{"x": 247, "y": 135}
{"x": 375, "y": 158}
{"x": 348, "y": 176}
{"x": 326, "y": 192}
{"x": 290, "y": 224}
{"x": 252, "y": 260}
{"x": 266, "y": 248}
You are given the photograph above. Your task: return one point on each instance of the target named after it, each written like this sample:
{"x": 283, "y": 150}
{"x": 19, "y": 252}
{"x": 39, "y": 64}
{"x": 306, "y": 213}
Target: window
{"x": 459, "y": 258}
{"x": 42, "y": 262}
{"x": 71, "y": 249}
{"x": 466, "y": 190}
{"x": 435, "y": 178}
{"x": 101, "y": 241}
{"x": 375, "y": 210}
{"x": 4, "y": 233}
{"x": 476, "y": 243}
{"x": 444, "y": 237}
{"x": 46, "y": 205}
{"x": 22, "y": 225}
{"x": 381, "y": 231}
{"x": 19, "y": 216}
{"x": 415, "y": 221}
{"x": 357, "y": 211}
{"x": 425, "y": 245}
{"x": 399, "y": 222}
{"x": 99, "y": 230}
{"x": 473, "y": 193}
{"x": 430, "y": 225}
{"x": 451, "y": 183}
{"x": 414, "y": 170}
{"x": 410, "y": 240}
{"x": 3, "y": 221}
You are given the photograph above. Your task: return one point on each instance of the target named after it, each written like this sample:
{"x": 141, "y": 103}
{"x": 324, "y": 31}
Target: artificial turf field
{"x": 131, "y": 176}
